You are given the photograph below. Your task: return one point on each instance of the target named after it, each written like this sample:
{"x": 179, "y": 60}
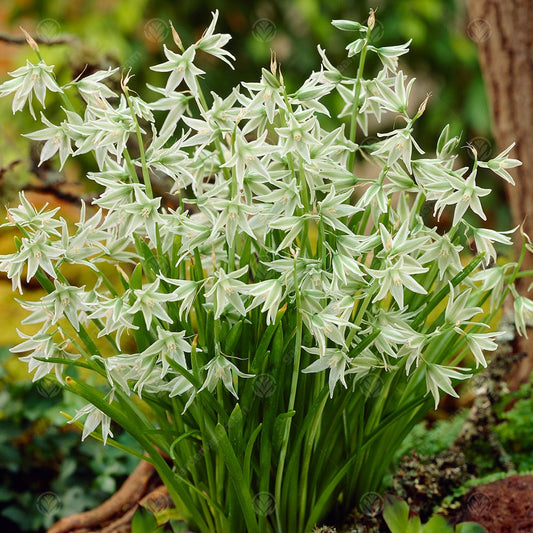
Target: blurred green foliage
{"x": 132, "y": 32}
{"x": 46, "y": 472}
{"x": 516, "y": 430}
{"x": 513, "y": 430}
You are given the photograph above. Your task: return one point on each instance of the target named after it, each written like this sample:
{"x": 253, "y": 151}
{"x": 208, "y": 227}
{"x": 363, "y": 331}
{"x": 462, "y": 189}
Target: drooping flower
{"x": 220, "y": 369}
{"x": 95, "y": 418}
{"x": 27, "y": 81}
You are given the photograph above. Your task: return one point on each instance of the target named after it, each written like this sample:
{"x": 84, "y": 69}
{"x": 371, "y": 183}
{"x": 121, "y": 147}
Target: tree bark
{"x": 503, "y": 32}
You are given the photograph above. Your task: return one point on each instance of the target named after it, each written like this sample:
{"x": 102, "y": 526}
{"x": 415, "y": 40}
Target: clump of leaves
{"x": 515, "y": 430}
{"x": 399, "y": 519}
{"x": 424, "y": 481}
{"x": 433, "y": 438}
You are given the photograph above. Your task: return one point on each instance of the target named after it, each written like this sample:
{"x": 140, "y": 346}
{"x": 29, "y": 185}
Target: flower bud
{"x": 273, "y": 62}
{"x": 30, "y": 40}
{"x": 371, "y": 19}
{"x": 176, "y": 37}
{"x": 422, "y": 106}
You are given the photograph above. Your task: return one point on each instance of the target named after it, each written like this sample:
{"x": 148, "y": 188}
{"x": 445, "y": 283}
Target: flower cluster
{"x": 270, "y": 237}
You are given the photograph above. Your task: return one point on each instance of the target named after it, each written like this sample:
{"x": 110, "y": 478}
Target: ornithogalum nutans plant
{"x": 271, "y": 335}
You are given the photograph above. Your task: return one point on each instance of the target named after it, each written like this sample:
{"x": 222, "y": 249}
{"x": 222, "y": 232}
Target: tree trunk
{"x": 503, "y": 32}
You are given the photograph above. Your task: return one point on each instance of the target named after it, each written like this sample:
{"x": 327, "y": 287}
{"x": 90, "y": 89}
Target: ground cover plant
{"x": 45, "y": 471}
{"x": 271, "y": 328}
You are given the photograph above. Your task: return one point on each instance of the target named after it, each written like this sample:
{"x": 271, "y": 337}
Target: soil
{"x": 504, "y": 506}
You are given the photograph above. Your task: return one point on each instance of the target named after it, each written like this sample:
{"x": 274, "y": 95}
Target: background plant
{"x": 45, "y": 472}
{"x": 396, "y": 515}
{"x": 443, "y": 56}
{"x": 281, "y": 310}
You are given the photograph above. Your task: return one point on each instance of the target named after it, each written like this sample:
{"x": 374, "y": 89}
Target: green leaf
{"x": 414, "y": 525}
{"x": 279, "y": 430}
{"x": 257, "y": 362}
{"x": 143, "y": 522}
{"x": 210, "y": 332}
{"x": 437, "y": 524}
{"x": 235, "y": 429}
{"x": 396, "y": 514}
{"x": 197, "y": 269}
{"x": 245, "y": 256}
{"x": 183, "y": 436}
{"x": 166, "y": 515}
{"x": 242, "y": 489}
{"x": 248, "y": 452}
{"x": 136, "y": 278}
{"x": 470, "y": 527}
{"x": 233, "y": 337}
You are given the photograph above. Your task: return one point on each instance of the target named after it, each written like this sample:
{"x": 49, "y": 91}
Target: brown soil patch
{"x": 504, "y": 506}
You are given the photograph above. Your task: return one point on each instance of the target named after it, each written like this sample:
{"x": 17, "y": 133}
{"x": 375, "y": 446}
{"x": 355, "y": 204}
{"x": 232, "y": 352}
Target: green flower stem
{"x": 107, "y": 282}
{"x": 292, "y": 397}
{"x": 230, "y": 177}
{"x": 219, "y": 464}
{"x": 305, "y": 241}
{"x": 144, "y": 166}
{"x": 419, "y": 201}
{"x": 516, "y": 270}
{"x": 420, "y": 319}
{"x": 356, "y": 95}
{"x": 309, "y": 445}
{"x": 131, "y": 166}
{"x": 523, "y": 274}
{"x": 206, "y": 452}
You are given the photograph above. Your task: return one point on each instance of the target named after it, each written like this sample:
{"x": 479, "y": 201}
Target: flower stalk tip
{"x": 30, "y": 40}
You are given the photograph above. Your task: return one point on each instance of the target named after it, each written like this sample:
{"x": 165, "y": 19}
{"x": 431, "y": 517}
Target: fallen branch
{"x": 48, "y": 41}
{"x": 123, "y": 502}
